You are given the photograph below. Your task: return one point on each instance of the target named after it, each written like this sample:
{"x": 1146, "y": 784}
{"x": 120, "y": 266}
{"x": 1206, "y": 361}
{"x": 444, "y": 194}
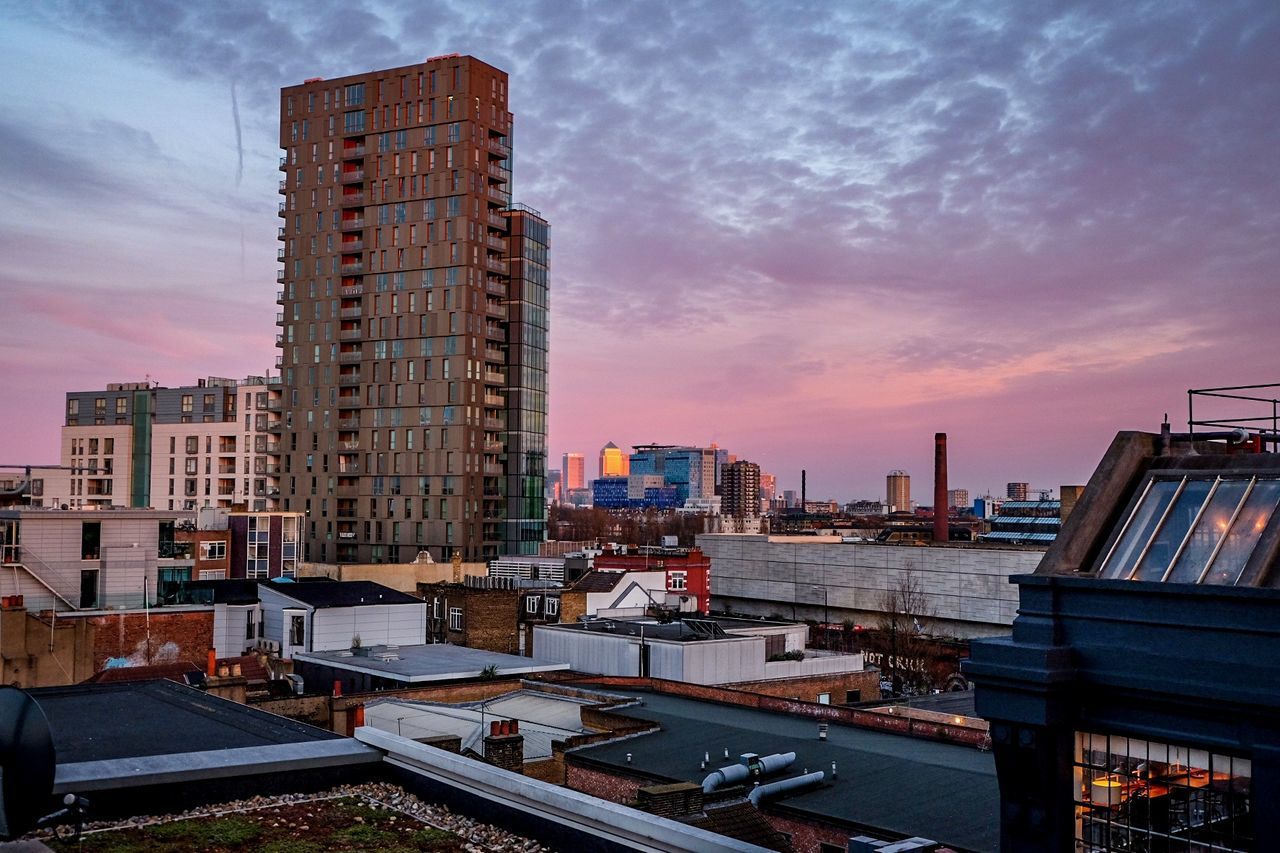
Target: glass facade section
{"x": 1194, "y": 530}
{"x": 1142, "y": 795}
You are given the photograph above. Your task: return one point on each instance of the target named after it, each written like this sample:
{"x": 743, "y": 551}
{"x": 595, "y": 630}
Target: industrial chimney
{"x": 804, "y": 501}
{"x": 941, "y": 514}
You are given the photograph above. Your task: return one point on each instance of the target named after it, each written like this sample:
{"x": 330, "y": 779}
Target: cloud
{"x": 756, "y": 203}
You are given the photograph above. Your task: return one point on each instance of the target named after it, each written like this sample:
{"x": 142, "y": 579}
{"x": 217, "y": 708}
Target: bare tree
{"x": 903, "y": 623}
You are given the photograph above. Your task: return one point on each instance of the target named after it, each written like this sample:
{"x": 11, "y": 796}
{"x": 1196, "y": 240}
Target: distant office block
{"x": 898, "y": 491}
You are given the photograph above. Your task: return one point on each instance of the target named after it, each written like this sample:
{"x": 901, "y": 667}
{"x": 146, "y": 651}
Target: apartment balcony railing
{"x": 497, "y": 220}
{"x": 351, "y": 246}
{"x": 352, "y": 224}
{"x": 348, "y": 446}
{"x": 499, "y": 195}
{"x": 175, "y": 550}
{"x": 352, "y": 290}
{"x": 349, "y": 423}
{"x": 284, "y": 186}
{"x": 350, "y": 313}
{"x": 284, "y": 162}
{"x": 353, "y": 269}
{"x": 496, "y": 264}
{"x": 495, "y": 400}
{"x": 279, "y": 361}
{"x": 279, "y": 318}
{"x": 275, "y": 426}
{"x": 349, "y": 379}
{"x": 493, "y": 447}
{"x": 350, "y": 357}
{"x": 279, "y": 339}
{"x": 496, "y": 310}
{"x": 349, "y": 471}
{"x": 494, "y": 377}
{"x": 352, "y": 199}
{"x": 495, "y": 355}
{"x": 493, "y": 469}
{"x": 498, "y": 171}
{"x": 494, "y": 423}
{"x": 279, "y": 276}
{"x": 348, "y": 490}
{"x": 279, "y": 296}
{"x": 274, "y": 404}
{"x": 350, "y": 152}
{"x": 353, "y": 176}
{"x": 271, "y": 468}
{"x": 496, "y": 286}
{"x": 498, "y": 146}
{"x": 280, "y": 233}
{"x": 280, "y": 209}
{"x": 494, "y": 332}
{"x": 494, "y": 242}
{"x": 349, "y": 401}
{"x": 350, "y": 334}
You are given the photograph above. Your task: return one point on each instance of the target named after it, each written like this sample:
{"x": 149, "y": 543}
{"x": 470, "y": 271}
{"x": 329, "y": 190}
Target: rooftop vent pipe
{"x": 750, "y": 766}
{"x": 782, "y": 786}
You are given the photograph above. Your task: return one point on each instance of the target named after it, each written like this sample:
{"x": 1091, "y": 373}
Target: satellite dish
{"x": 27, "y": 762}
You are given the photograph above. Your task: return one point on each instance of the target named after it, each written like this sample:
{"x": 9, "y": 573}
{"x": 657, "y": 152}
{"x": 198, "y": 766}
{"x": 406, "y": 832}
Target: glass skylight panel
{"x": 1240, "y": 540}
{"x": 1209, "y": 530}
{"x": 1137, "y": 531}
{"x": 1173, "y": 528}
{"x": 1193, "y": 530}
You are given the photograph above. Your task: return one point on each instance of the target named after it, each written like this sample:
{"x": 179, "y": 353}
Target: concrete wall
{"x": 395, "y": 624}
{"x": 404, "y": 577}
{"x": 37, "y": 652}
{"x": 967, "y": 587}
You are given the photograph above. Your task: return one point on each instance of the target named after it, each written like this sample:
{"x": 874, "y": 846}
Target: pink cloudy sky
{"x": 815, "y": 233}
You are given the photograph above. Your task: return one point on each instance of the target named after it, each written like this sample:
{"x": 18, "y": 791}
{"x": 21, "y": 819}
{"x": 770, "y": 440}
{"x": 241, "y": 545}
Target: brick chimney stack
{"x": 941, "y": 513}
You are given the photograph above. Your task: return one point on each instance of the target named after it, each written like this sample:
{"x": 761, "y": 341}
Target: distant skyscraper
{"x": 898, "y": 491}
{"x": 768, "y": 486}
{"x": 555, "y": 494}
{"x": 613, "y": 462}
{"x": 574, "y": 473}
{"x": 1017, "y": 491}
{"x": 958, "y": 498}
{"x": 691, "y": 470}
{"x": 740, "y": 489}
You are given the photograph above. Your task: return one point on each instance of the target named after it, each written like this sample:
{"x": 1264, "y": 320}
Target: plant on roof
{"x": 490, "y": 672}
{"x": 355, "y": 641}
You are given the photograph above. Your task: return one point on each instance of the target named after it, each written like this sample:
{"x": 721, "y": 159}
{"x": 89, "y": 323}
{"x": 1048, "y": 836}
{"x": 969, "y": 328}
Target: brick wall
{"x": 161, "y": 637}
{"x": 490, "y": 619}
{"x": 837, "y": 686}
{"x": 572, "y": 605}
{"x": 606, "y": 786}
{"x": 673, "y": 801}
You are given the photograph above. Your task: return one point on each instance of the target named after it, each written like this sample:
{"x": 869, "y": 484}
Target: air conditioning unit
{"x": 269, "y": 646}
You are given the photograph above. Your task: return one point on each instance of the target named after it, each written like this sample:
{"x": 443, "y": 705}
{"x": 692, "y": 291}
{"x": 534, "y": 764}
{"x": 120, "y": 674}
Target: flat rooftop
{"x": 433, "y": 662}
{"x": 899, "y": 784}
{"x": 96, "y": 722}
{"x": 124, "y": 736}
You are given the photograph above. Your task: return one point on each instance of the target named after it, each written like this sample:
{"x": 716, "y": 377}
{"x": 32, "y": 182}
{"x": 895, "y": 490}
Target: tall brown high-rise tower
{"x": 405, "y": 427}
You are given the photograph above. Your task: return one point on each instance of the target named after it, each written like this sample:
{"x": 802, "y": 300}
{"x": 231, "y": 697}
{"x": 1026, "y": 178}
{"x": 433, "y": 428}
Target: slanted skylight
{"x": 1193, "y": 530}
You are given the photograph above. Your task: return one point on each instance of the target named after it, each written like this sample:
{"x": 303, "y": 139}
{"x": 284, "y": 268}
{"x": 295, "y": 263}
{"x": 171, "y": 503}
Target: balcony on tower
{"x": 352, "y": 176}
{"x": 352, "y": 223}
{"x": 352, "y": 199}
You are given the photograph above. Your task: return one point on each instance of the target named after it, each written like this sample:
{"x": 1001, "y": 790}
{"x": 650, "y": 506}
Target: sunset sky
{"x": 814, "y": 233}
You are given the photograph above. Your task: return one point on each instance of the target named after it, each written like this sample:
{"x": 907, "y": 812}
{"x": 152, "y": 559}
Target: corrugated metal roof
{"x": 1008, "y": 536}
